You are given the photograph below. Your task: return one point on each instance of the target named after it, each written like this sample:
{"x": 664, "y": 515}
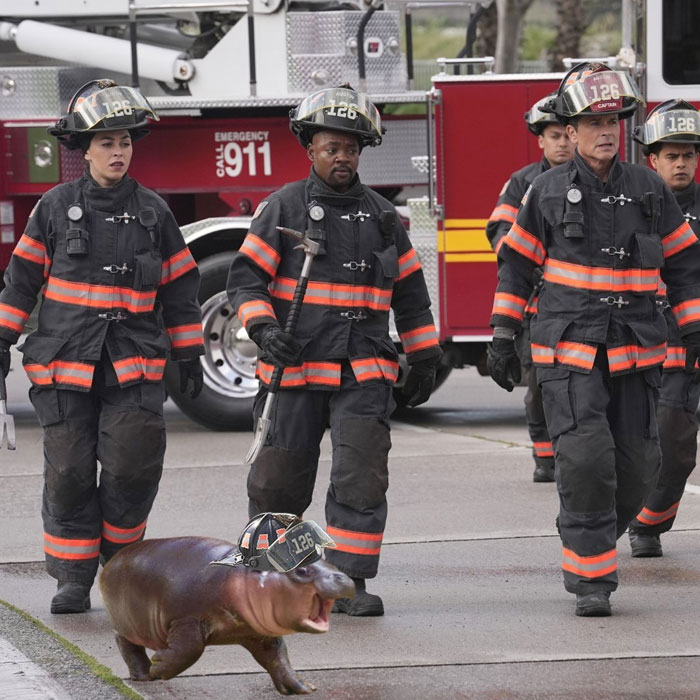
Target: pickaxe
{"x": 7, "y": 422}
{"x": 262, "y": 429}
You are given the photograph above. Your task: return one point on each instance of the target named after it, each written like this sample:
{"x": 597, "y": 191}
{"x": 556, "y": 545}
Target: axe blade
{"x": 261, "y": 431}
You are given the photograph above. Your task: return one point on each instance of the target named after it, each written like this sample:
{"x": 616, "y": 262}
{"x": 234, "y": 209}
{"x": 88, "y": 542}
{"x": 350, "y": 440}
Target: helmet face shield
{"x": 536, "y": 119}
{"x": 599, "y": 92}
{"x": 672, "y": 126}
{"x": 301, "y": 542}
{"x": 117, "y": 104}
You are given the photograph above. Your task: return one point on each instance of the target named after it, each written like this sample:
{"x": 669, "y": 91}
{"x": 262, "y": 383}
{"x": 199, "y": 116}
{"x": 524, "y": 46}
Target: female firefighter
{"x": 119, "y": 293}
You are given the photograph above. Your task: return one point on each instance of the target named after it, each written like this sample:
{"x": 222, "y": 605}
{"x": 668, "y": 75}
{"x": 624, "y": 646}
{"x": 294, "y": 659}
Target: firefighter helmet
{"x": 594, "y": 88}
{"x": 338, "y": 109}
{"x": 673, "y": 121}
{"x": 102, "y": 105}
{"x": 536, "y": 119}
{"x": 279, "y": 542}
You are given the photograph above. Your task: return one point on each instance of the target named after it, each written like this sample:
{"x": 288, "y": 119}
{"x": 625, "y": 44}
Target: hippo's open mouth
{"x": 319, "y": 615}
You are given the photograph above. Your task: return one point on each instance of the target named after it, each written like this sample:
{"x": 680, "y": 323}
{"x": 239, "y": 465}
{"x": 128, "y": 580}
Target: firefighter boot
{"x": 594, "y": 604}
{"x": 71, "y": 597}
{"x": 362, "y": 605}
{"x": 645, "y": 545}
{"x": 544, "y": 471}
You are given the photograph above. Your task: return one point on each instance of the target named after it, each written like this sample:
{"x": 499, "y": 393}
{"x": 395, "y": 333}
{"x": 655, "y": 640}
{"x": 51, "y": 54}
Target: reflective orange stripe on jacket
{"x": 504, "y": 212}
{"x": 149, "y": 368}
{"x": 261, "y": 253}
{"x": 99, "y": 296}
{"x": 651, "y": 517}
{"x": 13, "y": 318}
{"x": 60, "y": 372}
{"x": 628, "y": 356}
{"x": 408, "y": 263}
{"x": 186, "y": 336}
{"x": 678, "y": 240}
{"x": 675, "y": 357}
{"x": 526, "y": 244}
{"x": 375, "y": 368}
{"x": 687, "y": 312}
{"x": 317, "y": 373}
{"x": 589, "y": 567}
{"x": 578, "y": 355}
{"x": 601, "y": 278}
{"x": 368, "y": 543}
{"x": 34, "y": 251}
{"x": 255, "y": 309}
{"x": 177, "y": 265}
{"x": 509, "y": 305}
{"x": 120, "y": 535}
{"x": 329, "y": 294}
{"x": 65, "y": 548}
{"x": 419, "y": 339}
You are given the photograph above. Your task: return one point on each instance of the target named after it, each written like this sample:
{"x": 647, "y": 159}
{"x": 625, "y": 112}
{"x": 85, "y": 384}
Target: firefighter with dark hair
{"x": 119, "y": 293}
{"x": 671, "y": 138}
{"x": 603, "y": 231}
{"x": 557, "y": 150}
{"x": 341, "y": 366}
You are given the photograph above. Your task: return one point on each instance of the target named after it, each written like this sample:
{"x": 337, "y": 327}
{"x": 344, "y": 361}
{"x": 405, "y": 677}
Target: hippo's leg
{"x": 135, "y": 657}
{"x": 271, "y": 654}
{"x": 185, "y": 646}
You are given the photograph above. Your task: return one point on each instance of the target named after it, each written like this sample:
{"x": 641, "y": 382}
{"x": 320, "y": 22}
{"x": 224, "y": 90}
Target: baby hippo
{"x": 171, "y": 595}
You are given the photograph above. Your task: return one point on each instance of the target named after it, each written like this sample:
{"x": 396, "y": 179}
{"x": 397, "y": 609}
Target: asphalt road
{"x": 470, "y": 576}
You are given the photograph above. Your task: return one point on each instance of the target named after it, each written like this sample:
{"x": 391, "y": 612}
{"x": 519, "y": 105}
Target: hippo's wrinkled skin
{"x": 165, "y": 595}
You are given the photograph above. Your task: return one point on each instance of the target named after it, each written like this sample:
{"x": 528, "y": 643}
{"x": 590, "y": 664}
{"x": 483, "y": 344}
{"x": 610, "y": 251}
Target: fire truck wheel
{"x": 226, "y": 401}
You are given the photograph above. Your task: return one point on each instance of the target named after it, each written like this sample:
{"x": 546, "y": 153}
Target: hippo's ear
{"x": 233, "y": 559}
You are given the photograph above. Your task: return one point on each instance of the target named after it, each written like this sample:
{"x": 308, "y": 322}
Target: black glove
{"x": 280, "y": 348}
{"x": 420, "y": 381}
{"x": 191, "y": 369}
{"x": 4, "y": 357}
{"x": 503, "y": 363}
{"x": 692, "y": 355}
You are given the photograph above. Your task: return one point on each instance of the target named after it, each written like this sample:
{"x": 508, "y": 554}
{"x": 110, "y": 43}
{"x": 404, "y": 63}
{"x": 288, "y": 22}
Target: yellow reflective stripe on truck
{"x": 464, "y": 240}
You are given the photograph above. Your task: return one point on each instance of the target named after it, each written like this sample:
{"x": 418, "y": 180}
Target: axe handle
{"x": 290, "y": 325}
{"x": 3, "y": 388}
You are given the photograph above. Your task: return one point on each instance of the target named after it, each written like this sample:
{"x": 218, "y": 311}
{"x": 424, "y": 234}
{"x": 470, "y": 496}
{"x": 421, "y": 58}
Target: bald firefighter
{"x": 602, "y": 230}
{"x": 341, "y": 366}
{"x": 557, "y": 149}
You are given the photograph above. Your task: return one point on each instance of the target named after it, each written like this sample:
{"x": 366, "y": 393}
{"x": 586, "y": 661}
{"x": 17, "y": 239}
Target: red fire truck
{"x": 223, "y": 76}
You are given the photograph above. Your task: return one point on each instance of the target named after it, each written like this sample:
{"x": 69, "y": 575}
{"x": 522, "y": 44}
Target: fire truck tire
{"x": 226, "y": 400}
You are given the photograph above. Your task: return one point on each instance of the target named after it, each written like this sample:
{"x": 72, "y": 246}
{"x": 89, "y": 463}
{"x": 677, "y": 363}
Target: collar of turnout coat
{"x": 108, "y": 198}
{"x": 318, "y": 188}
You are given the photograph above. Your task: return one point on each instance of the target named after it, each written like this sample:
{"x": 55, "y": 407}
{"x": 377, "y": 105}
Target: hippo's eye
{"x": 303, "y": 570}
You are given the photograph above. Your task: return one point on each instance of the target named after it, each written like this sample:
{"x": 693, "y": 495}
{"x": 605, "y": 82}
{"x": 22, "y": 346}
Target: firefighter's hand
{"x": 692, "y": 355}
{"x": 420, "y": 381}
{"x": 191, "y": 370}
{"x": 4, "y": 357}
{"x": 280, "y": 348}
{"x": 503, "y": 363}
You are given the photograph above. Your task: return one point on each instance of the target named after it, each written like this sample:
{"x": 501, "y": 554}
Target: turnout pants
{"x": 678, "y": 431}
{"x": 542, "y": 450}
{"x": 282, "y": 478}
{"x": 606, "y": 450}
{"x": 86, "y": 518}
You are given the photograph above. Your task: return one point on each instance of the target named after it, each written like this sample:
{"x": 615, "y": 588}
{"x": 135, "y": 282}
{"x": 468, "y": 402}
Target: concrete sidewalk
{"x": 470, "y": 575}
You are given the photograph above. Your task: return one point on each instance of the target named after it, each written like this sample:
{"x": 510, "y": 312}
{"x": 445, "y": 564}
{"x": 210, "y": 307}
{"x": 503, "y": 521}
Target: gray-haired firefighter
{"x": 602, "y": 230}
{"x": 557, "y": 149}
{"x": 119, "y": 293}
{"x": 341, "y": 366}
{"x": 671, "y": 138}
